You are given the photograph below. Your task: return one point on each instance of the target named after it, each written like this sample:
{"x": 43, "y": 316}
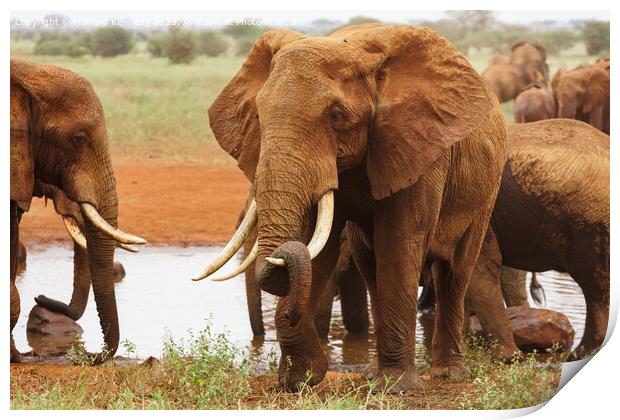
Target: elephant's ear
{"x": 556, "y": 78}
{"x": 428, "y": 98}
{"x": 22, "y": 162}
{"x": 233, "y": 115}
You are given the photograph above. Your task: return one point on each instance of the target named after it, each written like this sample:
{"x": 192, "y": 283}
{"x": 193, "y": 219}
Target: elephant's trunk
{"x": 299, "y": 269}
{"x": 101, "y": 255}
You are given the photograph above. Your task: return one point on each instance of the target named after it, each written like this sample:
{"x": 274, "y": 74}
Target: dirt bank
{"x": 166, "y": 203}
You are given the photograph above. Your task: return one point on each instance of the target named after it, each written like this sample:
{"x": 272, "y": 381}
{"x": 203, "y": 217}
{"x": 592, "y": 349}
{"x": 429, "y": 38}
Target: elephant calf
{"x": 534, "y": 103}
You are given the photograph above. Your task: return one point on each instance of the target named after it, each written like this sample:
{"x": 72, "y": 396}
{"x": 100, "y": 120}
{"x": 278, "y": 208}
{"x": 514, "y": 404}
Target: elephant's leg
{"x": 485, "y": 298}
{"x": 15, "y": 303}
{"x": 427, "y": 299}
{"x": 399, "y": 260}
{"x": 595, "y": 287}
{"x": 451, "y": 285}
{"x": 254, "y": 302}
{"x": 513, "y": 286}
{"x": 325, "y": 270}
{"x": 354, "y": 301}
{"x": 323, "y": 313}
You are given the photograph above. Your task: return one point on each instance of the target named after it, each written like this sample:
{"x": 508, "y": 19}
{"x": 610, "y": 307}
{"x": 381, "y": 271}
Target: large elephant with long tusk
{"x": 58, "y": 136}
{"x": 390, "y": 128}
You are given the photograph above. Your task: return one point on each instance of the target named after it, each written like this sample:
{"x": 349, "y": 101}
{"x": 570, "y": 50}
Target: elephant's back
{"x": 565, "y": 164}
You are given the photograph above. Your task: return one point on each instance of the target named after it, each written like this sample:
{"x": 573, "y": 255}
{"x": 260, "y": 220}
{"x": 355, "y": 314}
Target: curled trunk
{"x": 299, "y": 274}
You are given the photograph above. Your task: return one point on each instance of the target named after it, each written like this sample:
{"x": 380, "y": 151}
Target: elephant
{"x": 508, "y": 80}
{"x": 58, "y": 136}
{"x": 74, "y": 223}
{"x": 583, "y": 94}
{"x": 499, "y": 59}
{"x": 534, "y": 103}
{"x": 603, "y": 63}
{"x": 552, "y": 213}
{"x": 387, "y": 127}
{"x": 530, "y": 55}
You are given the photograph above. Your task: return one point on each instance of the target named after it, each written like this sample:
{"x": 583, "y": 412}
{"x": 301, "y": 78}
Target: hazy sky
{"x": 276, "y": 18}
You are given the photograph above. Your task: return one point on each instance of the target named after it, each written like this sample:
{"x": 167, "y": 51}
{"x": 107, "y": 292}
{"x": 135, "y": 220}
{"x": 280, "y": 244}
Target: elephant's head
{"x": 59, "y": 137}
{"x": 388, "y": 100}
{"x": 582, "y": 94}
{"x": 530, "y": 54}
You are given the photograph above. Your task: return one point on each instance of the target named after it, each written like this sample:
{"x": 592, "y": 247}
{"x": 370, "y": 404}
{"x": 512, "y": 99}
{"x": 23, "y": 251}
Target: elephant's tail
{"x": 537, "y": 291}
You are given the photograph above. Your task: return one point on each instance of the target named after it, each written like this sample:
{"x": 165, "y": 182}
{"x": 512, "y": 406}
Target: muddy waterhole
{"x": 157, "y": 299}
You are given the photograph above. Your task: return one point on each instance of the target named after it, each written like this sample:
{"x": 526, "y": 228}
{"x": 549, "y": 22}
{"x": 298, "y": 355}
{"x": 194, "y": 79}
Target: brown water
{"x": 157, "y": 299}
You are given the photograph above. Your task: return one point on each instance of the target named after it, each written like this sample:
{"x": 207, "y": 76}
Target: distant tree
{"x": 244, "y": 45}
{"x": 596, "y": 37}
{"x": 472, "y": 20}
{"x": 246, "y": 28}
{"x": 178, "y": 45}
{"x": 358, "y": 20}
{"x": 155, "y": 45}
{"x": 211, "y": 43}
{"x": 556, "y": 41}
{"x": 111, "y": 41}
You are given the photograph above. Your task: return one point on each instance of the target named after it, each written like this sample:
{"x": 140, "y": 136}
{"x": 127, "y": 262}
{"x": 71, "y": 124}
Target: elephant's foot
{"x": 395, "y": 380}
{"x": 16, "y": 356}
{"x": 450, "y": 367}
{"x": 296, "y": 373}
{"x": 505, "y": 353}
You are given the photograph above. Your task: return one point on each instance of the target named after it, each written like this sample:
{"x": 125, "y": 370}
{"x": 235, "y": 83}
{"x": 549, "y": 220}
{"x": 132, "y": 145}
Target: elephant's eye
{"x": 78, "y": 140}
{"x": 336, "y": 116}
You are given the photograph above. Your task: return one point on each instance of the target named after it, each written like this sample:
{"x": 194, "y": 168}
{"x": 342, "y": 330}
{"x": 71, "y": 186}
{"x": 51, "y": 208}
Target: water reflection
{"x": 157, "y": 299}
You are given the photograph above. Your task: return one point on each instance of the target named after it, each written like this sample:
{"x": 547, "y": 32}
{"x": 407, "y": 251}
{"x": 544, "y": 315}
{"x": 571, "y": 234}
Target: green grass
{"x": 208, "y": 372}
{"x": 160, "y": 109}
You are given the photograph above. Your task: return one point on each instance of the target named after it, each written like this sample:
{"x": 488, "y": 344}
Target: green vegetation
{"x": 596, "y": 37}
{"x": 110, "y": 41}
{"x": 159, "y": 110}
{"x": 520, "y": 384}
{"x": 208, "y": 372}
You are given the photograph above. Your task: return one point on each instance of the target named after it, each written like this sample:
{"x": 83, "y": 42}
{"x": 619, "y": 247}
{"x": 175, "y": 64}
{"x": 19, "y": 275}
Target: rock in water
{"x": 43, "y": 321}
{"x": 536, "y": 329}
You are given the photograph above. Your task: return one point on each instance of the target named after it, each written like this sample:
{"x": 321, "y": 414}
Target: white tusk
{"x": 74, "y": 231}
{"x": 233, "y": 245}
{"x": 324, "y": 220}
{"x": 127, "y": 247}
{"x": 93, "y": 215}
{"x": 249, "y": 259}
{"x": 279, "y": 262}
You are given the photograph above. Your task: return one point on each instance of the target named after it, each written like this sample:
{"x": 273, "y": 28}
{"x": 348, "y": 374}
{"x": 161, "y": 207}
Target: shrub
{"x": 50, "y": 47}
{"x": 111, "y": 41}
{"x": 155, "y": 45}
{"x": 178, "y": 45}
{"x": 596, "y": 37}
{"x": 211, "y": 43}
{"x": 243, "y": 46}
{"x": 246, "y": 28}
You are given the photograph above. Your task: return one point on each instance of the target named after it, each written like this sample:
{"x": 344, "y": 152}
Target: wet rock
{"x": 536, "y": 329}
{"x": 119, "y": 272}
{"x": 43, "y": 321}
{"x": 151, "y": 361}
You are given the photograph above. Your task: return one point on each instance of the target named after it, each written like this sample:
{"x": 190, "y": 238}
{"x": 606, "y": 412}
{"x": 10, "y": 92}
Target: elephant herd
{"x": 383, "y": 150}
{"x": 582, "y": 93}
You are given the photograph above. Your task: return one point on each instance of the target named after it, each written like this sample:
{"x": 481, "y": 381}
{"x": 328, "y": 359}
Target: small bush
{"x": 178, "y": 45}
{"x": 50, "y": 47}
{"x": 243, "y": 46}
{"x": 111, "y": 41}
{"x": 155, "y": 45}
{"x": 596, "y": 37}
{"x": 211, "y": 43}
